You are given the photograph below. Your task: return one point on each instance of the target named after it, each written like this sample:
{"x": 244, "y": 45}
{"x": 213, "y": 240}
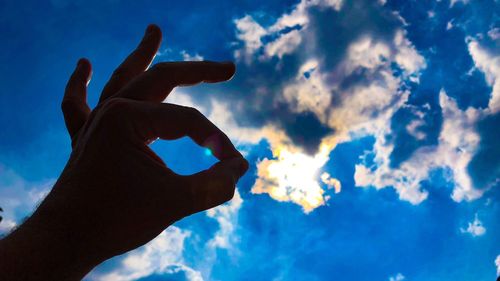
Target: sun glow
{"x": 294, "y": 176}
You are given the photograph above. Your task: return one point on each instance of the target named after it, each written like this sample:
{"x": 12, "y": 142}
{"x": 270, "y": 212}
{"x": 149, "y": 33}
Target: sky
{"x": 371, "y": 128}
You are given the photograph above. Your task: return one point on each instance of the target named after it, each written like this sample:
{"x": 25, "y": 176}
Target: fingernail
{"x": 81, "y": 63}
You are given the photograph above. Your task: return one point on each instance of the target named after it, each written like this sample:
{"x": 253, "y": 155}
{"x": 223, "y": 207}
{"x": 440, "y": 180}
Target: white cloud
{"x": 407, "y": 57}
{"x": 292, "y": 177}
{"x": 475, "y": 228}
{"x": 497, "y": 263}
{"x": 413, "y": 129}
{"x": 160, "y": 256}
{"x": 360, "y": 109}
{"x": 397, "y": 277}
{"x": 449, "y": 25}
{"x": 189, "y": 57}
{"x": 227, "y": 217}
{"x": 308, "y": 92}
{"x": 331, "y": 182}
{"x": 458, "y": 142}
{"x": 6, "y": 226}
{"x": 453, "y": 2}
{"x": 366, "y": 53}
{"x": 284, "y": 45}
{"x": 366, "y": 109}
{"x": 19, "y": 197}
{"x": 494, "y": 33}
{"x": 251, "y": 33}
{"x": 490, "y": 65}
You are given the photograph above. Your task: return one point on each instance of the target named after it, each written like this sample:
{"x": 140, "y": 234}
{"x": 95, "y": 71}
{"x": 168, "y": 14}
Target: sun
{"x": 295, "y": 176}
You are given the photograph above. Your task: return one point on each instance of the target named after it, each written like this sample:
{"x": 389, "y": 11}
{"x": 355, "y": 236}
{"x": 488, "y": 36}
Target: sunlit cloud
{"x": 292, "y": 176}
{"x": 352, "y": 111}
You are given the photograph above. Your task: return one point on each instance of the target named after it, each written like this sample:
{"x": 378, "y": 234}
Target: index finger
{"x": 135, "y": 64}
{"x": 156, "y": 83}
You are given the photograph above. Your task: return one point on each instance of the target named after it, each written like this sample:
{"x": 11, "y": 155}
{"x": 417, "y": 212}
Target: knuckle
{"x": 193, "y": 112}
{"x": 114, "y": 111}
{"x": 122, "y": 73}
{"x": 194, "y": 116}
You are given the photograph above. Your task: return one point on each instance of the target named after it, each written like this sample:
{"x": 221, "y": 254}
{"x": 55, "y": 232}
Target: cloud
{"x": 292, "y": 177}
{"x": 413, "y": 129}
{"x": 331, "y": 182}
{"x": 226, "y": 216}
{"x": 19, "y": 197}
{"x": 494, "y": 33}
{"x": 352, "y": 97}
{"x": 397, "y": 277}
{"x": 283, "y": 41}
{"x": 457, "y": 144}
{"x": 351, "y": 90}
{"x": 308, "y": 92}
{"x": 490, "y": 66}
{"x": 364, "y": 109}
{"x": 453, "y": 2}
{"x": 188, "y": 57}
{"x": 163, "y": 255}
{"x": 497, "y": 263}
{"x": 250, "y": 32}
{"x": 475, "y": 228}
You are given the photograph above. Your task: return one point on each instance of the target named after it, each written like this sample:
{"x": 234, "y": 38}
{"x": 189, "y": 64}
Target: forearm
{"x": 38, "y": 251}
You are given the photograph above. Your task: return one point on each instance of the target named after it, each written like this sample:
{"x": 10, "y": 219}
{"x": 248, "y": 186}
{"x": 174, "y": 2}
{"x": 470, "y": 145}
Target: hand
{"x": 115, "y": 194}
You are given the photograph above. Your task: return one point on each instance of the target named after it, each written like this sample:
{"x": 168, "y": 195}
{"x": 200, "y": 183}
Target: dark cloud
{"x": 326, "y": 38}
{"x": 404, "y": 142}
{"x": 484, "y": 168}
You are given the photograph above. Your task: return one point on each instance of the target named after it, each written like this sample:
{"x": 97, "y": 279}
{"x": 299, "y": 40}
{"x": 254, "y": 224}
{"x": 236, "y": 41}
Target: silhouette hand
{"x": 115, "y": 193}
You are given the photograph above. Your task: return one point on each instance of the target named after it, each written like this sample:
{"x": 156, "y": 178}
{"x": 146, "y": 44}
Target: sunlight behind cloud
{"x": 293, "y": 176}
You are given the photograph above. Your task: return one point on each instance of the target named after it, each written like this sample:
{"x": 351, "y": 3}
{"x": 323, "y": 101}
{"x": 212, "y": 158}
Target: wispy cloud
{"x": 474, "y": 228}
{"x": 397, "y": 277}
{"x": 497, "y": 263}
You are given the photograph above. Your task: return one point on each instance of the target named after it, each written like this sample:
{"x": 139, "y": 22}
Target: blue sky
{"x": 371, "y": 128}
